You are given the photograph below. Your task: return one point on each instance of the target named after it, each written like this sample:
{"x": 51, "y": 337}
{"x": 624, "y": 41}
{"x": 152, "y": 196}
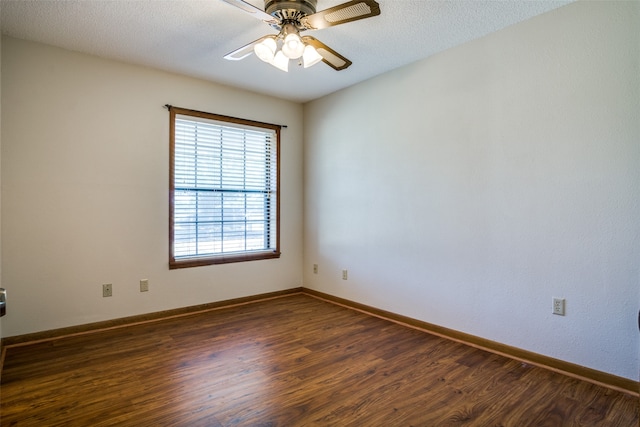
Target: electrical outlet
{"x": 558, "y": 306}
{"x": 107, "y": 290}
{"x": 144, "y": 285}
{"x": 345, "y": 274}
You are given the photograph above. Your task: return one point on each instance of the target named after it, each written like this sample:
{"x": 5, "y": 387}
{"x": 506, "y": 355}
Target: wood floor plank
{"x": 289, "y": 361}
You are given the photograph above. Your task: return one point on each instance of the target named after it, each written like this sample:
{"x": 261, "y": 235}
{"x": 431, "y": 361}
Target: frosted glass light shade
{"x": 293, "y": 46}
{"x": 281, "y": 61}
{"x": 310, "y": 56}
{"x": 266, "y": 49}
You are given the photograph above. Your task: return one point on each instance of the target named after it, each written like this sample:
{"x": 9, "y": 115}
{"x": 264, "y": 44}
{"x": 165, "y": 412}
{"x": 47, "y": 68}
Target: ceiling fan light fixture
{"x": 266, "y": 49}
{"x": 290, "y": 18}
{"x": 281, "y": 61}
{"x": 310, "y": 56}
{"x": 293, "y": 47}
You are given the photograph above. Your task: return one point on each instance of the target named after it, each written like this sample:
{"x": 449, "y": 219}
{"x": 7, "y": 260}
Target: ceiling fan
{"x": 290, "y": 18}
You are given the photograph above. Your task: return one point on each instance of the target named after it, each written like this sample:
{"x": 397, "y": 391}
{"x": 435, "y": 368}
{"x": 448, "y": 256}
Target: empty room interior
{"x": 457, "y": 216}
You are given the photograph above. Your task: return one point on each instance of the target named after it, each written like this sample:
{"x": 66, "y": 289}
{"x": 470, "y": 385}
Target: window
{"x": 224, "y": 181}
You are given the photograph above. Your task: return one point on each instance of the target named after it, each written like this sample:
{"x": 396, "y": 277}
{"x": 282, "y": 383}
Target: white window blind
{"x": 224, "y": 189}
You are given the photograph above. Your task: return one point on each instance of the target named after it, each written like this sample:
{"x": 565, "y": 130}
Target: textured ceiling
{"x": 191, "y": 37}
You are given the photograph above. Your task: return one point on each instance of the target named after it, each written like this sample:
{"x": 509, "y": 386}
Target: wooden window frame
{"x": 222, "y": 258}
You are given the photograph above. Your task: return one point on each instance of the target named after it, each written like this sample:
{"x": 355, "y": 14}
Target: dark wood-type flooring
{"x": 290, "y": 361}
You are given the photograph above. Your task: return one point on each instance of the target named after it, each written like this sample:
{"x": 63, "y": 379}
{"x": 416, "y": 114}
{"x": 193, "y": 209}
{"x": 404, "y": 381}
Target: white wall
{"x": 470, "y": 188}
{"x": 1, "y": 333}
{"x": 85, "y": 161}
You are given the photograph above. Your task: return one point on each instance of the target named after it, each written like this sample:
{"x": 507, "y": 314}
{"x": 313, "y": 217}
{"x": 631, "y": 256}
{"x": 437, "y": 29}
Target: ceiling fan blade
{"x": 244, "y": 51}
{"x": 329, "y": 56}
{"x": 341, "y": 14}
{"x": 252, "y": 10}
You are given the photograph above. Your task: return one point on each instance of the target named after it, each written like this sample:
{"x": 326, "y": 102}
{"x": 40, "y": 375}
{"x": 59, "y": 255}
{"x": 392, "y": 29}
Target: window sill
{"x": 221, "y": 259}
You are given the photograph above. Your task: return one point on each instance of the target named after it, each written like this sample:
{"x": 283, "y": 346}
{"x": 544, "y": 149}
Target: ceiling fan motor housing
{"x": 289, "y": 10}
